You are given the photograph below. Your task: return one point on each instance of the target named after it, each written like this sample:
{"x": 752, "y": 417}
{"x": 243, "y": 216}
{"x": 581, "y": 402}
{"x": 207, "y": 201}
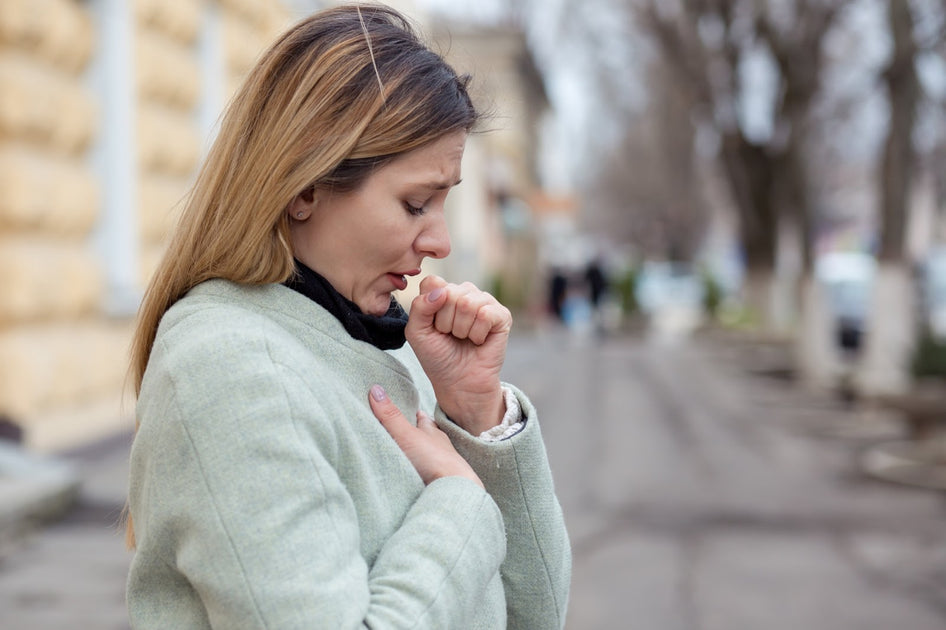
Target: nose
{"x": 434, "y": 239}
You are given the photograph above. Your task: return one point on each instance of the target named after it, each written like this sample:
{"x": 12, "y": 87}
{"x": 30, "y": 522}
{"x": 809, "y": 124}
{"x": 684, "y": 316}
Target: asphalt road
{"x": 698, "y": 497}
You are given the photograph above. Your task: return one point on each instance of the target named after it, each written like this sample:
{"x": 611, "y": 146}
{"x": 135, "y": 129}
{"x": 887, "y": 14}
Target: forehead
{"x": 436, "y": 163}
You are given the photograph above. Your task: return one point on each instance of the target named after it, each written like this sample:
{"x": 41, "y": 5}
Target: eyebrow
{"x": 441, "y": 185}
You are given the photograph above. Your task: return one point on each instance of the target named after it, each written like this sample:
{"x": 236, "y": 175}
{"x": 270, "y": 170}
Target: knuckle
{"x": 443, "y": 325}
{"x": 467, "y": 302}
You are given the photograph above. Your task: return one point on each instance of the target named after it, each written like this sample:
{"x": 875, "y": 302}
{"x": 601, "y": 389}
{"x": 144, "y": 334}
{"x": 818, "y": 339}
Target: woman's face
{"x": 367, "y": 241}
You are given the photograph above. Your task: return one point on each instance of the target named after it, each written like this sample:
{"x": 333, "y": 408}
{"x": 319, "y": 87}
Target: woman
{"x": 275, "y": 482}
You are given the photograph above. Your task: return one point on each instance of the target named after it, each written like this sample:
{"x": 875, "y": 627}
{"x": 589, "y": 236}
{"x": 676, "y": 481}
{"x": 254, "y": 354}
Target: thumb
{"x": 425, "y": 306}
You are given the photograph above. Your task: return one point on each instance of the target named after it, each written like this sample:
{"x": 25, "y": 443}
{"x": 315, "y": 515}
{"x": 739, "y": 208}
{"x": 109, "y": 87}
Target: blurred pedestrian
{"x": 597, "y": 283}
{"x": 558, "y": 288}
{"x": 275, "y": 480}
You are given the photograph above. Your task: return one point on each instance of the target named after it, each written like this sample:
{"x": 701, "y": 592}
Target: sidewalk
{"x": 33, "y": 491}
{"x": 68, "y": 572}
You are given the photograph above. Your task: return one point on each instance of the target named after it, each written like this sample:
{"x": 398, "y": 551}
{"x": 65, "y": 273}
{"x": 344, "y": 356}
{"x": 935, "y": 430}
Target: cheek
{"x": 391, "y": 250}
{"x": 395, "y": 239}
{"x": 375, "y": 255}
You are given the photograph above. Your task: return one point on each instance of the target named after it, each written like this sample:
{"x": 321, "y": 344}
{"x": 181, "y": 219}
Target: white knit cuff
{"x": 512, "y": 420}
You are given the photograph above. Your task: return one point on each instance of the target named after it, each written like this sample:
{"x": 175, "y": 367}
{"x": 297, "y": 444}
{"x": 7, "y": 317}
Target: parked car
{"x": 848, "y": 279}
{"x": 932, "y": 278}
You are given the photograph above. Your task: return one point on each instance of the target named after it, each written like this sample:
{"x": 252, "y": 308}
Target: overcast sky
{"x": 479, "y": 10}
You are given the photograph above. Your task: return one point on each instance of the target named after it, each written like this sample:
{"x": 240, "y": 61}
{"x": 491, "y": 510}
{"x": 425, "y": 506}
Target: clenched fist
{"x": 459, "y": 333}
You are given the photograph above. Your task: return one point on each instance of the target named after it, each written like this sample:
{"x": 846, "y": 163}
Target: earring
{"x": 299, "y": 215}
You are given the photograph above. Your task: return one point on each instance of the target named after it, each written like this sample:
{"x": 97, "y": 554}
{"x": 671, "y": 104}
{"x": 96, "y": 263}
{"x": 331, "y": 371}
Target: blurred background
{"x": 739, "y": 201}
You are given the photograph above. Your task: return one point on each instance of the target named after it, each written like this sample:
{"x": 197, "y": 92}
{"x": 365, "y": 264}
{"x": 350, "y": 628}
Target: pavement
{"x": 33, "y": 490}
{"x": 63, "y": 564}
{"x": 702, "y": 491}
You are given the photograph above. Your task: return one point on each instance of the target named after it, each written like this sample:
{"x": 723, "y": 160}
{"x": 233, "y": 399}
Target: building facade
{"x": 105, "y": 106}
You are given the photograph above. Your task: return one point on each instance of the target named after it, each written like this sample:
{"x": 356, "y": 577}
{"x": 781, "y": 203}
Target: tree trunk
{"x": 903, "y": 91}
{"x": 891, "y": 332}
{"x": 816, "y": 355}
{"x": 815, "y": 348}
{"x": 750, "y": 170}
{"x": 760, "y": 296}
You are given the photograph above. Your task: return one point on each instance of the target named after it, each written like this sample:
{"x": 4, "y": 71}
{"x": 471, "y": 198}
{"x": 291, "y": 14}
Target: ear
{"x": 300, "y": 208}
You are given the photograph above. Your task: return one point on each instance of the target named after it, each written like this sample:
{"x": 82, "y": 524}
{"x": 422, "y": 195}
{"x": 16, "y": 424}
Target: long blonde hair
{"x": 339, "y": 94}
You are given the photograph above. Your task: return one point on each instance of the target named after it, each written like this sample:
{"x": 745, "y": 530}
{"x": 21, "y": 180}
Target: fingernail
{"x": 378, "y": 393}
{"x": 434, "y": 295}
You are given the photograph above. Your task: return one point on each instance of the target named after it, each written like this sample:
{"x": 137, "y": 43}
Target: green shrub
{"x": 929, "y": 357}
{"x": 712, "y": 294}
{"x": 625, "y": 287}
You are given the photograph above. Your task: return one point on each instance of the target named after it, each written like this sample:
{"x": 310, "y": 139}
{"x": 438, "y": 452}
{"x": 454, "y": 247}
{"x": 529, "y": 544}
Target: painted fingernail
{"x": 434, "y": 295}
{"x": 378, "y": 393}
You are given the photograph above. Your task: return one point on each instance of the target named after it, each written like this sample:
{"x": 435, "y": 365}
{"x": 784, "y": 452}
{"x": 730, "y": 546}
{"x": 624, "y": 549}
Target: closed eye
{"x": 414, "y": 210}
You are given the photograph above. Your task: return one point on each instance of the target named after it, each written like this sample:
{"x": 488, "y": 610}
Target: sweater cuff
{"x": 512, "y": 423}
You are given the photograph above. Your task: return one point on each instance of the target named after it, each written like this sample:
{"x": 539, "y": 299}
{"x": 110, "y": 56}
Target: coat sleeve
{"x": 537, "y": 570}
{"x": 228, "y": 492}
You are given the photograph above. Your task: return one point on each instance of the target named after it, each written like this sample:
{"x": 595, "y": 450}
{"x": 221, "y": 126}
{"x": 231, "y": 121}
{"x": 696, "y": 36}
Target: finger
{"x": 427, "y": 425}
{"x": 387, "y": 413}
{"x": 425, "y": 306}
{"x": 424, "y": 421}
{"x": 443, "y": 319}
{"x": 458, "y": 296}
{"x": 479, "y": 331}
{"x": 466, "y": 313}
{"x": 431, "y": 282}
{"x": 490, "y": 319}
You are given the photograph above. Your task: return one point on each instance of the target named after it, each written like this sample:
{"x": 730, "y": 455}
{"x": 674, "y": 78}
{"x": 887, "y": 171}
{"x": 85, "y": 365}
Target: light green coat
{"x": 265, "y": 494}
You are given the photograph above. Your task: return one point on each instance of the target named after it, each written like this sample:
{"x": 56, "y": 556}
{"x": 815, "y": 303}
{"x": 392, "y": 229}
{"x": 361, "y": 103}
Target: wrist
{"x": 478, "y": 413}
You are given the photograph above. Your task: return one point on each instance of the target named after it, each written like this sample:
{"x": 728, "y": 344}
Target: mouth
{"x": 399, "y": 280}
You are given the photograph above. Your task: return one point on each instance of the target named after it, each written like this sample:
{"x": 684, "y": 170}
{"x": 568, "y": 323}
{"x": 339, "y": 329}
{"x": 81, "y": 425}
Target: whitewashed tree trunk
{"x": 783, "y": 315}
{"x": 762, "y": 295}
{"x": 891, "y": 333}
{"x": 816, "y": 351}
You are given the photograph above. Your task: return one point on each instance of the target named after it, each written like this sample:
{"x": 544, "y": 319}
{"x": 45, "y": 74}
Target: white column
{"x": 116, "y": 155}
{"x": 213, "y": 74}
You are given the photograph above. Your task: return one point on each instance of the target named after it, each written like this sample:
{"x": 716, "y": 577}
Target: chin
{"x": 378, "y": 307}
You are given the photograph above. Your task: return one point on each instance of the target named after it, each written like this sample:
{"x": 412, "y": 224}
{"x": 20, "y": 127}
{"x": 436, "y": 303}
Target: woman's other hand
{"x": 459, "y": 334}
{"x": 426, "y": 446}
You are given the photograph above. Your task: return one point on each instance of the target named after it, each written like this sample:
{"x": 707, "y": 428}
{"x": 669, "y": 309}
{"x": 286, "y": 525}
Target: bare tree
{"x": 709, "y": 43}
{"x": 903, "y": 92}
{"x": 892, "y": 329}
{"x": 646, "y": 191}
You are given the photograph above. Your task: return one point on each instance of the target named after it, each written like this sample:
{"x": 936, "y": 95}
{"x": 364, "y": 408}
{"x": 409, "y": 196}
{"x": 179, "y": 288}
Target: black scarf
{"x": 385, "y": 332}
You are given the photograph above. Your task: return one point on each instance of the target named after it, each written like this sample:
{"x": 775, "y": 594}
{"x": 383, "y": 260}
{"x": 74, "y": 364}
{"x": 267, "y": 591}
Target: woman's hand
{"x": 426, "y": 446}
{"x": 459, "y": 334}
